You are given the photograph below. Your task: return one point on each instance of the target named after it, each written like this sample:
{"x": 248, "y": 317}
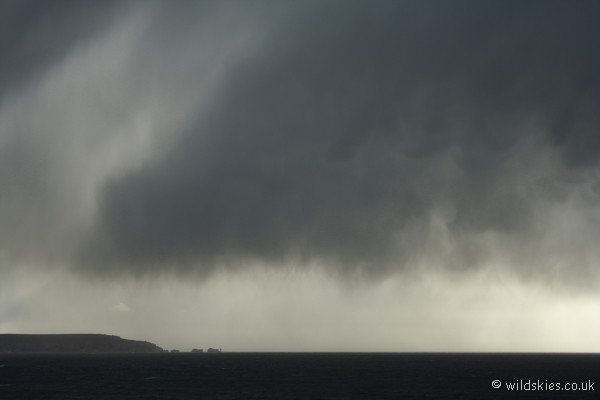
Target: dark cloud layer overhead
{"x": 365, "y": 137}
{"x": 35, "y": 35}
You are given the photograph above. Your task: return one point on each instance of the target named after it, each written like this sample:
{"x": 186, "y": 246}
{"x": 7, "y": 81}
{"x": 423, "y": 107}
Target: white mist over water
{"x": 306, "y": 310}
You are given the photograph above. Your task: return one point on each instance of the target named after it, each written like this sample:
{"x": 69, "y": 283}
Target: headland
{"x": 73, "y": 343}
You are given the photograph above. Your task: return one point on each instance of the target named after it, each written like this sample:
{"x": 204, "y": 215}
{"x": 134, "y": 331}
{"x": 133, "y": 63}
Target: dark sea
{"x": 300, "y": 376}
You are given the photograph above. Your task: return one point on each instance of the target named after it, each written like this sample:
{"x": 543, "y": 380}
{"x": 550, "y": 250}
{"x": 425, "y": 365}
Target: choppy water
{"x": 296, "y": 376}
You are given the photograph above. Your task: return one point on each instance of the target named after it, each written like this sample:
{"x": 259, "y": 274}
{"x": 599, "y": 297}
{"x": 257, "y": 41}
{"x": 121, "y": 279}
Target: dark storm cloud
{"x": 34, "y": 35}
{"x": 370, "y": 136}
{"x": 361, "y": 136}
{"x": 84, "y": 87}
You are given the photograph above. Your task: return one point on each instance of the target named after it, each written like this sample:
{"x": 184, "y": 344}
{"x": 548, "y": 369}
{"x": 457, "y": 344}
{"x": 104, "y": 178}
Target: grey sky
{"x": 359, "y": 143}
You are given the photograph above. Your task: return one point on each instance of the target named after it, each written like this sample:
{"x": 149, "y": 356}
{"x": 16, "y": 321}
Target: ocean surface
{"x": 300, "y": 376}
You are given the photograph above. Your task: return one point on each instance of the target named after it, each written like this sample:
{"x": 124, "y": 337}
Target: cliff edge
{"x": 73, "y": 343}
